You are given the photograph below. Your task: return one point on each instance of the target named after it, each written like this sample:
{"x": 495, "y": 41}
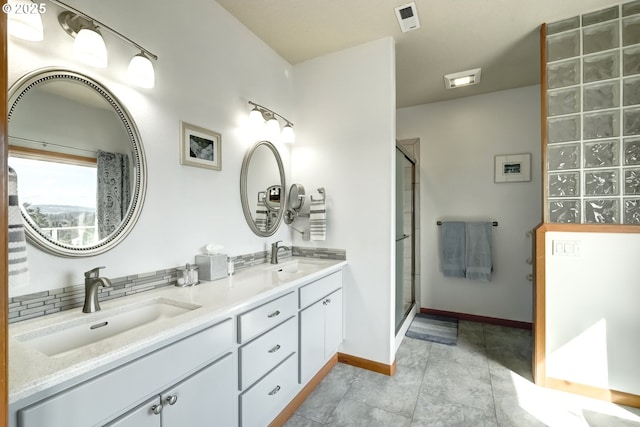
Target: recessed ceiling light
{"x": 463, "y": 78}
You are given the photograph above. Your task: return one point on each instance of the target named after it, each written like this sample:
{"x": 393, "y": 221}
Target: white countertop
{"x": 31, "y": 371}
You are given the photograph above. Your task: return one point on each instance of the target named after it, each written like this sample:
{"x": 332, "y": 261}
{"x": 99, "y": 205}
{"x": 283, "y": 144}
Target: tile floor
{"x": 483, "y": 381}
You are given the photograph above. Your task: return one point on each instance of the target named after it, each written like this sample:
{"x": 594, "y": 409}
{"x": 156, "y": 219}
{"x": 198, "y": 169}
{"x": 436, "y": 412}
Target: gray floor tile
{"x": 355, "y": 414}
{"x": 467, "y": 384}
{"x": 413, "y": 353}
{"x": 432, "y": 411}
{"x": 465, "y": 353}
{"x": 509, "y": 350}
{"x": 299, "y": 421}
{"x": 485, "y": 380}
{"x": 325, "y": 398}
{"x": 396, "y": 394}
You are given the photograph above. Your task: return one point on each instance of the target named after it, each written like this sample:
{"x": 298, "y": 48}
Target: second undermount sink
{"x": 295, "y": 268}
{"x": 62, "y": 338}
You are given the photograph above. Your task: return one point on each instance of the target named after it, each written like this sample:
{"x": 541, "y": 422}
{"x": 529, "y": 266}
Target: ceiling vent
{"x": 408, "y": 17}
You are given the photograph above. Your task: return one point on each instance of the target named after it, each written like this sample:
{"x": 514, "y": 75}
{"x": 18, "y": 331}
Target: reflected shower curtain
{"x": 113, "y": 192}
{"x": 18, "y": 268}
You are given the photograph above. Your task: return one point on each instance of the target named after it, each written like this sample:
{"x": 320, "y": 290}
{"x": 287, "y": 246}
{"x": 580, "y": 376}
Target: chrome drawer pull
{"x": 274, "y": 314}
{"x": 274, "y": 391}
{"x": 156, "y": 409}
{"x": 274, "y": 349}
{"x": 172, "y": 399}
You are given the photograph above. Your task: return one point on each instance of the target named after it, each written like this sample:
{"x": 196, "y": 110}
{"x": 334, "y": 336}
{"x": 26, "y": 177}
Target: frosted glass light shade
{"x": 26, "y": 26}
{"x": 256, "y": 120}
{"x": 288, "y": 135}
{"x": 89, "y": 48}
{"x": 141, "y": 73}
{"x": 273, "y": 129}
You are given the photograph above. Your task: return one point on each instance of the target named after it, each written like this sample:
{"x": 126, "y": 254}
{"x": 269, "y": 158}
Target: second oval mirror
{"x": 262, "y": 188}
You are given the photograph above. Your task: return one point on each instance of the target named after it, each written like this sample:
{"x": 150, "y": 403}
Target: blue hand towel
{"x": 453, "y": 249}
{"x": 478, "y": 251}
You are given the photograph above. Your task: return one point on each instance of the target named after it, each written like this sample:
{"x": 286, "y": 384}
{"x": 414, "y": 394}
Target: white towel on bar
{"x": 478, "y": 243}
{"x": 318, "y": 219}
{"x": 453, "y": 249}
{"x": 17, "y": 257}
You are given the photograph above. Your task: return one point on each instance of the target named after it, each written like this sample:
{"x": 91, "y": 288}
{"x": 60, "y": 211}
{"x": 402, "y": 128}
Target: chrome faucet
{"x": 92, "y": 282}
{"x": 274, "y": 251}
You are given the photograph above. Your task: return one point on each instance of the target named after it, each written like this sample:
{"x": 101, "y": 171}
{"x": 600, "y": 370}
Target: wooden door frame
{"x": 4, "y": 201}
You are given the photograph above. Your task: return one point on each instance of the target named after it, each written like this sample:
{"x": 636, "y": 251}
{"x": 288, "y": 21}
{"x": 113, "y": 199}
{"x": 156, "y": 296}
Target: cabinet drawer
{"x": 264, "y": 353}
{"x": 126, "y": 386}
{"x": 261, "y": 319}
{"x": 320, "y": 288}
{"x": 268, "y": 397}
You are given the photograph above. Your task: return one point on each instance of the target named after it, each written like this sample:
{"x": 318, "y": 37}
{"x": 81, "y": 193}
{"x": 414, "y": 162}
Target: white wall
{"x": 458, "y": 142}
{"x": 209, "y": 67}
{"x": 345, "y": 105}
{"x": 592, "y": 317}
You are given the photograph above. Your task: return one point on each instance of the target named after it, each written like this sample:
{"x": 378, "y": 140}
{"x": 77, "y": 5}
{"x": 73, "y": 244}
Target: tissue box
{"x": 212, "y": 267}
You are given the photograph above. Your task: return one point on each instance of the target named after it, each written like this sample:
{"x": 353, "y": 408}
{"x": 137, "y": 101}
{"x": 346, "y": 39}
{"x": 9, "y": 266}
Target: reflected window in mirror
{"x": 58, "y": 195}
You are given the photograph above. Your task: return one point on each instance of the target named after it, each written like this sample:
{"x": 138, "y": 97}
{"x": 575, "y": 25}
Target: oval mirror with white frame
{"x": 262, "y": 188}
{"x": 79, "y": 161}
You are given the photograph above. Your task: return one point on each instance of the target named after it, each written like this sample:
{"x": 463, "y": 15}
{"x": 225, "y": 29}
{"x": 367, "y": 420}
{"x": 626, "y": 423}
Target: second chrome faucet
{"x": 274, "y": 251}
{"x": 92, "y": 283}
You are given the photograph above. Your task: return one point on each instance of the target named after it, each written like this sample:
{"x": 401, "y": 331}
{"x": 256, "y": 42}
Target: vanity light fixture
{"x": 85, "y": 30}
{"x": 140, "y": 71}
{"x": 263, "y": 116}
{"x": 288, "y": 135}
{"x": 463, "y": 78}
{"x": 23, "y": 25}
{"x": 89, "y": 48}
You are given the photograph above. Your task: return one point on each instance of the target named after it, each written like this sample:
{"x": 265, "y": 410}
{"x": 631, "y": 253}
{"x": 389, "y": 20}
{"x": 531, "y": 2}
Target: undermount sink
{"x": 64, "y": 337}
{"x": 295, "y": 268}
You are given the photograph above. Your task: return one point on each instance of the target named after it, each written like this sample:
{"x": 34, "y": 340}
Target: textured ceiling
{"x": 501, "y": 36}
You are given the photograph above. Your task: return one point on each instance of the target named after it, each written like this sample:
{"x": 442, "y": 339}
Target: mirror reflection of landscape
{"x": 78, "y": 159}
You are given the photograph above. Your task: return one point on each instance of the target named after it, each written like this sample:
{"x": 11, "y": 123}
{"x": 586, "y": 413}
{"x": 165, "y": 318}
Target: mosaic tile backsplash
{"x": 593, "y": 117}
{"x": 48, "y": 302}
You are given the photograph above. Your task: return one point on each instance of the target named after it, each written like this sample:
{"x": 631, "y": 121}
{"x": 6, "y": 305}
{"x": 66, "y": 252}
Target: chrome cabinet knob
{"x": 156, "y": 409}
{"x": 171, "y": 399}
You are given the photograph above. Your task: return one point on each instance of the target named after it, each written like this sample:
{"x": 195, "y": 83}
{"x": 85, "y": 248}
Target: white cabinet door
{"x": 204, "y": 399}
{"x": 320, "y": 334}
{"x": 333, "y": 323}
{"x": 311, "y": 340}
{"x": 142, "y": 416}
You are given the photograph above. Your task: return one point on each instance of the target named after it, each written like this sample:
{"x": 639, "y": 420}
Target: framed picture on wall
{"x": 200, "y": 147}
{"x": 512, "y": 168}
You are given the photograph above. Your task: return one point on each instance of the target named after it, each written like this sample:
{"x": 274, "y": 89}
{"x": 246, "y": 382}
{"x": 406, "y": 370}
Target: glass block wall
{"x": 593, "y": 117}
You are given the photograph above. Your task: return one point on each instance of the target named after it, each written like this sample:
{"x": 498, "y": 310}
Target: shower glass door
{"x": 405, "y": 265}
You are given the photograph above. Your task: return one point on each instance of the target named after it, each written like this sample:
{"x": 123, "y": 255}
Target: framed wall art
{"x": 512, "y": 168}
{"x": 200, "y": 147}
